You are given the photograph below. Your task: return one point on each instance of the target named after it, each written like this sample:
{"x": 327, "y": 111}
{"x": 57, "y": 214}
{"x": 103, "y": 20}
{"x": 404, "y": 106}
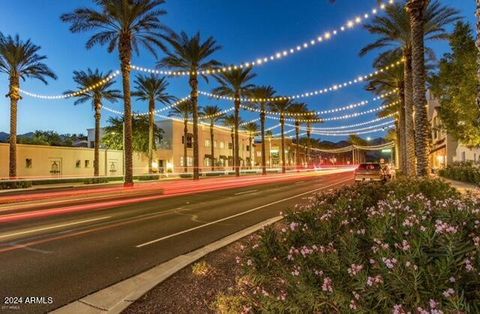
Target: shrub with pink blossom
{"x": 409, "y": 246}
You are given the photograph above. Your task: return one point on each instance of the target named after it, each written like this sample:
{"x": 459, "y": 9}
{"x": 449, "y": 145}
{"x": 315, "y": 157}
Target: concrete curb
{"x": 118, "y": 297}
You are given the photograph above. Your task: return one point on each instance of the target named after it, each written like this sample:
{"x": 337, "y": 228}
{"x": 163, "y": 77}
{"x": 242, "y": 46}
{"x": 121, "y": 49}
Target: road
{"x": 68, "y": 244}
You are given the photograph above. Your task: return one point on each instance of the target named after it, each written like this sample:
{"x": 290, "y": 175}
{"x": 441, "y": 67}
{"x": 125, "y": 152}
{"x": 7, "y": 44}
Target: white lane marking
{"x": 239, "y": 214}
{"x": 245, "y": 192}
{"x": 52, "y": 227}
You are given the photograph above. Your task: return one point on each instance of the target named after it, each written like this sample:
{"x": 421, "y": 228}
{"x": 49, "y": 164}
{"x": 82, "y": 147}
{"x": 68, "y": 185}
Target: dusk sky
{"x": 246, "y": 29}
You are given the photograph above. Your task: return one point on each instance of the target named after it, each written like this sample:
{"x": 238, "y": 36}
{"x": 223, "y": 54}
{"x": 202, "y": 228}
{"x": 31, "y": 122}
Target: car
{"x": 369, "y": 172}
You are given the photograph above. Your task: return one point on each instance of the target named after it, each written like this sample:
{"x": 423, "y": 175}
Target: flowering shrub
{"x": 409, "y": 246}
{"x": 462, "y": 171}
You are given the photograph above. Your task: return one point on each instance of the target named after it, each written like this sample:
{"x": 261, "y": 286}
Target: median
{"x": 404, "y": 246}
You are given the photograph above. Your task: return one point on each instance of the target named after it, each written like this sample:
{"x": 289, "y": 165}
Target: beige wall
{"x": 51, "y": 161}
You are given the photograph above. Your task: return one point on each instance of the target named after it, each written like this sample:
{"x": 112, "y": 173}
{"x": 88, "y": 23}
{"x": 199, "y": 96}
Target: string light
{"x": 347, "y": 116}
{"x": 332, "y": 88}
{"x": 74, "y": 94}
{"x": 345, "y": 130}
{"x": 175, "y": 104}
{"x": 251, "y": 121}
{"x": 221, "y": 113}
{"x": 351, "y": 125}
{"x": 334, "y": 110}
{"x": 281, "y": 54}
{"x": 351, "y": 133}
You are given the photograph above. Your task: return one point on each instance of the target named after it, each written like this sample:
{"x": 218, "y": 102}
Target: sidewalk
{"x": 462, "y": 186}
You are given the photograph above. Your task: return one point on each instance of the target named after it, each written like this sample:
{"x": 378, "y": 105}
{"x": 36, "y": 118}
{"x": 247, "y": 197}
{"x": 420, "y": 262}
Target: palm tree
{"x": 262, "y": 94}
{"x": 184, "y": 109}
{"x": 230, "y": 122}
{"x": 234, "y": 84}
{"x": 96, "y": 96}
{"x": 19, "y": 60}
{"x": 151, "y": 89}
{"x": 252, "y": 130}
{"x": 416, "y": 9}
{"x": 192, "y": 54}
{"x": 213, "y": 114}
{"x": 394, "y": 33}
{"x": 386, "y": 82}
{"x": 310, "y": 121}
{"x": 477, "y": 13}
{"x": 298, "y": 110}
{"x": 122, "y": 25}
{"x": 282, "y": 107}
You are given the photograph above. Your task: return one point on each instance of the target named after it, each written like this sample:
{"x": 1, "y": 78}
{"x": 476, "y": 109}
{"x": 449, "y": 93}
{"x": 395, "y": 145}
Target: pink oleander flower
{"x": 389, "y": 262}
{"x": 354, "y": 269}
{"x": 448, "y": 293}
{"x": 294, "y": 226}
{"x": 327, "y": 284}
{"x": 373, "y": 281}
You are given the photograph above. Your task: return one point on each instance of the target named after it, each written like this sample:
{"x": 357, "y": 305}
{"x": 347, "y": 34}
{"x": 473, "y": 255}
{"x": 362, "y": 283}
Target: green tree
{"x": 455, "y": 85}
{"x": 123, "y": 25}
{"x": 212, "y": 114}
{"x": 151, "y": 89}
{"x": 113, "y": 137}
{"x": 96, "y": 97}
{"x": 185, "y": 110}
{"x": 192, "y": 54}
{"x": 262, "y": 94}
{"x": 236, "y": 84}
{"x": 282, "y": 107}
{"x": 394, "y": 35}
{"x": 252, "y": 129}
{"x": 19, "y": 60}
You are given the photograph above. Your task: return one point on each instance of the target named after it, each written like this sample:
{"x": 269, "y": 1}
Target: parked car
{"x": 369, "y": 172}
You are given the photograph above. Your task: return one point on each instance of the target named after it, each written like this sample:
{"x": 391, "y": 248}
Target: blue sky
{"x": 246, "y": 29}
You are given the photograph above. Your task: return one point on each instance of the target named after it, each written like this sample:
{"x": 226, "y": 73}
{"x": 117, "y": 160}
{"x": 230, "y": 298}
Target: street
{"x": 46, "y": 251}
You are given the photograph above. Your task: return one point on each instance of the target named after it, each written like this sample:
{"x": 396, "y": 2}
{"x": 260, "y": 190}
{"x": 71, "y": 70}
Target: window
{"x": 207, "y": 143}
{"x": 189, "y": 140}
{"x": 78, "y": 163}
{"x": 463, "y": 156}
{"x": 222, "y": 144}
{"x": 247, "y": 147}
{"x": 230, "y": 146}
{"x": 215, "y": 144}
{"x": 87, "y": 163}
{"x": 189, "y": 161}
{"x": 28, "y": 163}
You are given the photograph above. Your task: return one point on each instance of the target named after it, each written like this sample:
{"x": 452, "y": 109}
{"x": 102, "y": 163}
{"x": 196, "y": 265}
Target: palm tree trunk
{"x": 96, "y": 154}
{"x": 309, "y": 134}
{"x": 237, "y": 140}
{"x": 250, "y": 146}
{"x": 297, "y": 134}
{"x": 151, "y": 122}
{"x": 282, "y": 130}
{"x": 14, "y": 98}
{"x": 402, "y": 153}
{"x": 194, "y": 97}
{"x": 409, "y": 126}
{"x": 233, "y": 148}
{"x": 262, "y": 127}
{"x": 212, "y": 148}
{"x": 185, "y": 134}
{"x": 416, "y": 9}
{"x": 125, "y": 51}
{"x": 477, "y": 13}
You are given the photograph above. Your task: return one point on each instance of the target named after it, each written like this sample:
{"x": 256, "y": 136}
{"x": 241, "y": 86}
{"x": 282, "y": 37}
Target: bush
{"x": 97, "y": 180}
{"x": 8, "y": 185}
{"x": 462, "y": 171}
{"x": 405, "y": 246}
{"x": 147, "y": 177}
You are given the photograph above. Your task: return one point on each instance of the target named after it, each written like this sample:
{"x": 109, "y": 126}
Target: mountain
{"x": 4, "y": 137}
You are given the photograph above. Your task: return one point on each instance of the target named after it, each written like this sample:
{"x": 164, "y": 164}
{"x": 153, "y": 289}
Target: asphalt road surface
{"x": 64, "y": 245}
